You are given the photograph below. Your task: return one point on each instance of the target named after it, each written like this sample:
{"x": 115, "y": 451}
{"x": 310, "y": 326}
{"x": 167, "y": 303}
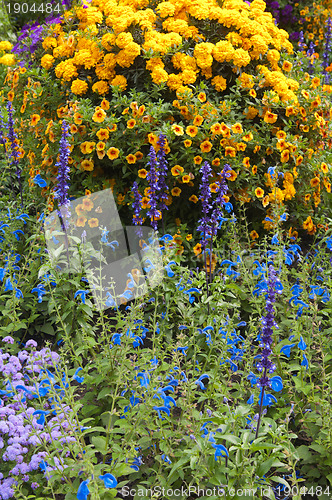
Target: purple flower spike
{"x": 63, "y": 168}
{"x": 152, "y": 176}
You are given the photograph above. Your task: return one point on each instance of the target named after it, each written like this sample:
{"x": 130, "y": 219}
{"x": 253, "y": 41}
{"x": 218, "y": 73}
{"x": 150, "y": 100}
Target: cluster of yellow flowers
{"x": 112, "y": 34}
{"x": 6, "y": 59}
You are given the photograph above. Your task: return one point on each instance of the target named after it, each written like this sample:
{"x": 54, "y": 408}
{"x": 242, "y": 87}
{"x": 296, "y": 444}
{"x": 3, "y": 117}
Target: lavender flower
{"x": 205, "y": 197}
{"x": 220, "y": 200}
{"x": 327, "y": 49}
{"x": 310, "y": 55}
{"x": 265, "y": 365}
{"x": 152, "y": 176}
{"x": 63, "y": 168}
{"x": 162, "y": 172}
{"x": 137, "y": 219}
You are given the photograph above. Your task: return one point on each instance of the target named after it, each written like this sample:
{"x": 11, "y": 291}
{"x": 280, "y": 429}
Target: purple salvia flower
{"x": 205, "y": 197}
{"x": 220, "y": 201}
{"x": 14, "y": 153}
{"x": 327, "y": 49}
{"x": 137, "y": 219}
{"x": 162, "y": 172}
{"x": 152, "y": 176}
{"x": 310, "y": 55}
{"x": 63, "y": 168}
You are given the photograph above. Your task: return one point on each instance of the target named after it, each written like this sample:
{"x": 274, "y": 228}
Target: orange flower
{"x": 287, "y": 66}
{"x": 314, "y": 182}
{"x": 193, "y": 198}
{"x": 309, "y": 225}
{"x": 139, "y": 155}
{"x": 100, "y": 146}
{"x": 113, "y": 127}
{"x": 252, "y": 92}
{"x": 105, "y": 104}
{"x": 237, "y": 128}
{"x": 103, "y": 134}
{"x": 229, "y": 151}
{"x": 254, "y": 235}
{"x": 131, "y": 123}
{"x": 131, "y": 159}
{"x": 197, "y": 249}
{"x": 281, "y": 134}
{"x": 176, "y": 191}
{"x": 191, "y": 130}
{"x": 324, "y": 168}
{"x": 299, "y": 160}
{"x": 145, "y": 202}
{"x": 87, "y": 204}
{"x": 189, "y": 237}
{"x": 198, "y": 120}
{"x": 216, "y": 162}
{"x": 216, "y": 129}
{"x": 11, "y": 95}
{"x": 201, "y": 97}
{"x": 246, "y": 162}
{"x": 113, "y": 153}
{"x": 206, "y": 146}
{"x": 34, "y": 120}
{"x": 178, "y": 130}
{"x": 233, "y": 175}
{"x": 290, "y": 111}
{"x": 284, "y": 157}
{"x": 142, "y": 173}
{"x": 214, "y": 187}
{"x": 79, "y": 209}
{"x": 99, "y": 115}
{"x": 177, "y": 170}
{"x": 259, "y": 192}
{"x": 93, "y": 222}
{"x": 81, "y": 221}
{"x": 87, "y": 165}
{"x": 248, "y": 137}
{"x": 187, "y": 143}
{"x": 78, "y": 118}
{"x": 266, "y": 201}
{"x": 226, "y": 131}
{"x": 73, "y": 129}
{"x": 270, "y": 117}
{"x": 198, "y": 160}
{"x": 186, "y": 179}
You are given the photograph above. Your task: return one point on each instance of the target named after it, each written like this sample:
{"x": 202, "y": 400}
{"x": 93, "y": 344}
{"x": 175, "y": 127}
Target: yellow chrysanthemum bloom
{"x": 79, "y": 87}
{"x": 5, "y": 45}
{"x": 8, "y": 59}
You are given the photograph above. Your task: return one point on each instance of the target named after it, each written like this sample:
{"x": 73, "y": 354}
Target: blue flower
{"x": 38, "y": 180}
{"x": 41, "y": 419}
{"x": 286, "y": 349}
{"x": 160, "y": 409}
{"x": 221, "y": 451}
{"x": 275, "y": 240}
{"x": 305, "y": 361}
{"x": 199, "y": 380}
{"x": 109, "y": 480}
{"x": 16, "y": 234}
{"x": 169, "y": 271}
{"x": 8, "y": 285}
{"x": 83, "y": 490}
{"x": 302, "y": 345}
{"x": 166, "y": 458}
{"x": 76, "y": 377}
{"x": 82, "y": 293}
{"x": 251, "y": 400}
{"x": 40, "y": 289}
{"x": 189, "y": 292}
{"x": 276, "y": 383}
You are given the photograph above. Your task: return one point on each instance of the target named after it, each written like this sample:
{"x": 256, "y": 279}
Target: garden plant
{"x": 166, "y": 250}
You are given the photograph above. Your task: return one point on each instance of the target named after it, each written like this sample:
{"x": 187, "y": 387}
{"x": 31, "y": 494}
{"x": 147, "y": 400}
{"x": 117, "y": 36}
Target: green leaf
{"x": 266, "y": 466}
{"x": 99, "y": 443}
{"x": 231, "y": 438}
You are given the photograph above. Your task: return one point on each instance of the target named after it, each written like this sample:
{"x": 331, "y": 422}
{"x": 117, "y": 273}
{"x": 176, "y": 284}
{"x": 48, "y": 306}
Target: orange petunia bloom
{"x": 233, "y": 175}
{"x": 281, "y": 134}
{"x": 197, "y": 249}
{"x": 259, "y": 192}
{"x": 103, "y": 134}
{"x": 113, "y": 128}
{"x": 314, "y": 182}
{"x": 87, "y": 165}
{"x": 193, "y": 198}
{"x": 191, "y": 130}
{"x": 145, "y": 202}
{"x": 81, "y": 221}
{"x": 187, "y": 143}
{"x": 113, "y": 153}
{"x": 216, "y": 162}
{"x": 131, "y": 159}
{"x": 131, "y": 123}
{"x": 79, "y": 209}
{"x": 284, "y": 157}
{"x": 100, "y": 146}
{"x": 105, "y": 104}
{"x": 87, "y": 204}
{"x": 254, "y": 235}
{"x": 246, "y": 162}
{"x": 11, "y": 95}
{"x": 198, "y": 160}
{"x": 324, "y": 168}
{"x": 287, "y": 66}
{"x": 214, "y": 187}
{"x": 99, "y": 115}
{"x": 309, "y": 225}
{"x": 177, "y": 129}
{"x": 216, "y": 129}
{"x": 93, "y": 222}
{"x": 266, "y": 201}
{"x": 34, "y": 120}
{"x": 177, "y": 170}
{"x": 248, "y": 137}
{"x": 78, "y": 118}
{"x": 229, "y": 151}
{"x": 270, "y": 117}
{"x": 206, "y": 146}
{"x": 198, "y": 120}
{"x": 201, "y": 97}
{"x": 176, "y": 191}
{"x": 237, "y": 128}
{"x": 142, "y": 173}
{"x": 139, "y": 155}
{"x": 186, "y": 179}
{"x": 299, "y": 160}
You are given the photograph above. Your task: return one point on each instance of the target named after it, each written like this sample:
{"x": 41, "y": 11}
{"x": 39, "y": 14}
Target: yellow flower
{"x": 87, "y": 165}
{"x": 324, "y": 168}
{"x": 113, "y": 153}
{"x": 206, "y": 146}
{"x": 8, "y": 59}
{"x": 177, "y": 170}
{"x": 309, "y": 225}
{"x": 176, "y": 191}
{"x": 191, "y": 130}
{"x": 237, "y": 128}
{"x": 142, "y": 173}
{"x": 233, "y": 175}
{"x": 93, "y": 222}
{"x": 178, "y": 130}
{"x": 5, "y": 45}
{"x": 254, "y": 235}
{"x": 103, "y": 134}
{"x": 187, "y": 143}
{"x": 198, "y": 120}
{"x": 270, "y": 117}
{"x": 193, "y": 198}
{"x": 34, "y": 120}
{"x": 201, "y": 97}
{"x": 47, "y": 61}
{"x": 131, "y": 123}
{"x": 197, "y": 249}
{"x": 219, "y": 83}
{"x": 186, "y": 179}
{"x": 119, "y": 81}
{"x": 287, "y": 66}
{"x": 198, "y": 160}
{"x": 314, "y": 182}
{"x": 81, "y": 221}
{"x": 100, "y": 87}
{"x": 189, "y": 237}
{"x": 131, "y": 159}
{"x": 99, "y": 115}
{"x": 79, "y": 87}
{"x": 259, "y": 192}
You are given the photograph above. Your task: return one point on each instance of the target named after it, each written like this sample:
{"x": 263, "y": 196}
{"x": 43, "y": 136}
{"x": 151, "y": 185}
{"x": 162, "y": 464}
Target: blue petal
{"x": 83, "y": 490}
{"x": 109, "y": 480}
